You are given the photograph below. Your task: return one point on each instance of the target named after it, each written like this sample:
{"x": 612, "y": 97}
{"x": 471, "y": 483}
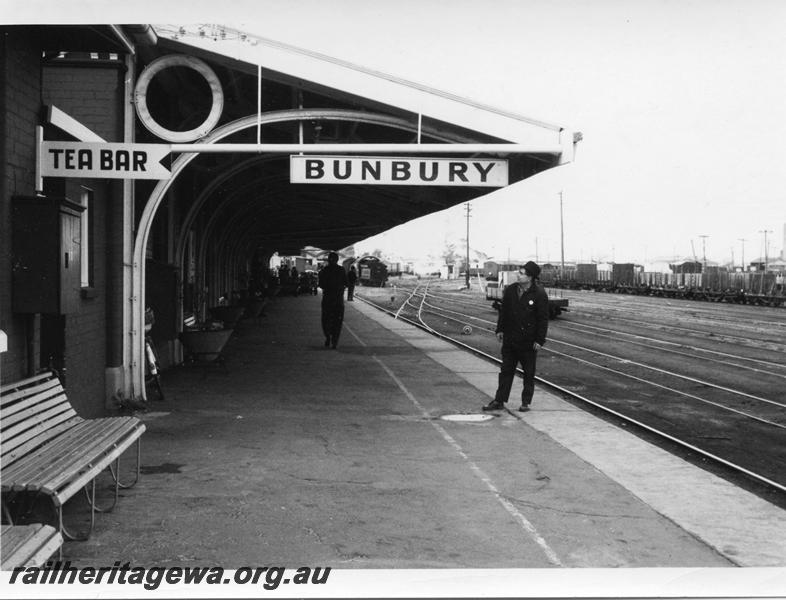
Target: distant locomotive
{"x": 495, "y": 289}
{"x": 372, "y": 272}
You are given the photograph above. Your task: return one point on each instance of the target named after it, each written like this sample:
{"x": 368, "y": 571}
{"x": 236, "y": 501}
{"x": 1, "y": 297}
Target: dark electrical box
{"x": 46, "y": 262}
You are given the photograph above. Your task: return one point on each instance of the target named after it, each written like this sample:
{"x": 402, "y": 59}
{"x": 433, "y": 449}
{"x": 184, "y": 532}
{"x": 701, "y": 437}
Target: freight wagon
{"x": 717, "y": 284}
{"x": 394, "y": 268}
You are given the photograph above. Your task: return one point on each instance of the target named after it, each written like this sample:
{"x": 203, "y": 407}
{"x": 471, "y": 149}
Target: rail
{"x": 420, "y": 305}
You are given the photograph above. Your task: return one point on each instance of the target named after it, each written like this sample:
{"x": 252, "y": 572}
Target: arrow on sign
{"x": 104, "y": 161}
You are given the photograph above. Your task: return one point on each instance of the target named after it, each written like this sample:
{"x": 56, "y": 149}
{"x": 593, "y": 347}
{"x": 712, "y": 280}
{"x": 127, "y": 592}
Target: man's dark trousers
{"x": 511, "y": 356}
{"x": 332, "y": 319}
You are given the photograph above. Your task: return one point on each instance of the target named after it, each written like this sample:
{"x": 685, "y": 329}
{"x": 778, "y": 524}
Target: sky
{"x": 682, "y": 107}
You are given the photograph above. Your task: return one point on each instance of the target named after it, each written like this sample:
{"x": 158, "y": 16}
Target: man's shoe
{"x": 494, "y": 405}
{"x": 524, "y": 408}
{"x": 327, "y": 342}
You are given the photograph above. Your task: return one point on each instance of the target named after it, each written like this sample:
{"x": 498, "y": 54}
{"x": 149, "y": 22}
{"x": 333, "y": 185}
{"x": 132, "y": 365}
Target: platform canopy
{"x": 275, "y": 93}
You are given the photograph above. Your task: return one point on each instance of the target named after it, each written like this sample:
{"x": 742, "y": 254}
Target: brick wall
{"x": 87, "y": 93}
{"x": 93, "y": 96}
{"x": 20, "y": 100}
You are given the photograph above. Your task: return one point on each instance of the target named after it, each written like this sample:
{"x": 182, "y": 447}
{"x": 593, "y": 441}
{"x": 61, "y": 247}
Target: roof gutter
{"x": 143, "y": 35}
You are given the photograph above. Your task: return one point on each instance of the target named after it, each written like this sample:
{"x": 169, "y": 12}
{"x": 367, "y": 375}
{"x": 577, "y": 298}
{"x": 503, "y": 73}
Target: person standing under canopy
{"x": 333, "y": 281}
{"x": 352, "y": 278}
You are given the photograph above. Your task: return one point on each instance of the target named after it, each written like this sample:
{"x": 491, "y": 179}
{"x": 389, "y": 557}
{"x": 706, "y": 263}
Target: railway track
{"x": 709, "y": 389}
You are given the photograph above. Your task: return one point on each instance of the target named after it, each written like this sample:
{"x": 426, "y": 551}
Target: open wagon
{"x": 495, "y": 289}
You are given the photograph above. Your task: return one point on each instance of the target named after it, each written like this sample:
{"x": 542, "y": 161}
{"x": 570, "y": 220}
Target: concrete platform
{"x": 303, "y": 455}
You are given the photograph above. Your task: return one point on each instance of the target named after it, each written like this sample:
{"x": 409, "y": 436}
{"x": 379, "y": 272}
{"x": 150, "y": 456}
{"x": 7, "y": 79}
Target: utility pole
{"x": 467, "y": 206}
{"x": 561, "y": 236}
{"x": 743, "y": 240}
{"x": 703, "y": 253}
{"x": 766, "y": 257}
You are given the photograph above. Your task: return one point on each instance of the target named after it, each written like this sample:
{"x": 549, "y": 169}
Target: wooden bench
{"x": 49, "y": 450}
{"x": 28, "y": 545}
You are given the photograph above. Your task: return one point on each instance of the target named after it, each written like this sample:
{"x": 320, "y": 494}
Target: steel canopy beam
{"x": 371, "y": 148}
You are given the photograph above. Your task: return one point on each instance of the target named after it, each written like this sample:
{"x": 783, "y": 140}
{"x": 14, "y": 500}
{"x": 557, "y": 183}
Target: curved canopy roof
{"x": 305, "y": 97}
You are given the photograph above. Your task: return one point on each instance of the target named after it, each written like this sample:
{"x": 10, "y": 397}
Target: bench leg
{"x": 90, "y": 495}
{"x": 91, "y": 498}
{"x": 7, "y": 514}
{"x": 67, "y": 534}
{"x": 115, "y": 471}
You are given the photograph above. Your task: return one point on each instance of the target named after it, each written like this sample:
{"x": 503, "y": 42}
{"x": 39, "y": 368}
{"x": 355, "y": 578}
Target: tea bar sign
{"x": 104, "y": 160}
{"x": 376, "y": 170}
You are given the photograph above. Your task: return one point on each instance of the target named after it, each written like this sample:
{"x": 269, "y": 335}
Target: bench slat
{"x": 20, "y": 451}
{"x": 47, "y": 409}
{"x": 79, "y": 432}
{"x": 30, "y": 402}
{"x": 107, "y": 460}
{"x": 47, "y": 447}
{"x": 80, "y": 478}
{"x": 32, "y": 407}
{"x": 78, "y": 472}
{"x": 7, "y": 399}
{"x": 49, "y": 466}
{"x": 8, "y": 388}
{"x": 31, "y": 435}
{"x": 28, "y": 545}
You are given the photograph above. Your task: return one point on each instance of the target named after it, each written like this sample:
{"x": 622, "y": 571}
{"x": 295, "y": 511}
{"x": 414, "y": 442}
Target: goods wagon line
{"x": 729, "y": 289}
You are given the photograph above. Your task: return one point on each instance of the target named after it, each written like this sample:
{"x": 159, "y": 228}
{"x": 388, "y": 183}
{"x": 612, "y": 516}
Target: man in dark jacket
{"x": 352, "y": 278}
{"x": 521, "y": 327}
{"x": 332, "y": 280}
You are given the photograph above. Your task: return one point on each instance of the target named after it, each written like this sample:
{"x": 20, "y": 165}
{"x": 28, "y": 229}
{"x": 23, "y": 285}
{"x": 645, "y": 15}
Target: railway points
{"x": 703, "y": 382}
{"x": 694, "y": 499}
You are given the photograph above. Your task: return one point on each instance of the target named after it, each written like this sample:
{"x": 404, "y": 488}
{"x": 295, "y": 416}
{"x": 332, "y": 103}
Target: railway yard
{"x": 702, "y": 380}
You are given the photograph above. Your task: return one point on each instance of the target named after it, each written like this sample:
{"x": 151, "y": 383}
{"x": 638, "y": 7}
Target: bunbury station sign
{"x": 146, "y": 161}
{"x": 378, "y": 170}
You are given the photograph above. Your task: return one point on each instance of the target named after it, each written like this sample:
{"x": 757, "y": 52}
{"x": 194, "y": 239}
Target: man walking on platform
{"x": 521, "y": 327}
{"x": 352, "y": 278}
{"x": 332, "y": 280}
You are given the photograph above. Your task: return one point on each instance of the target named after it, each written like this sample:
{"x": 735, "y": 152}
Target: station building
{"x": 149, "y": 166}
